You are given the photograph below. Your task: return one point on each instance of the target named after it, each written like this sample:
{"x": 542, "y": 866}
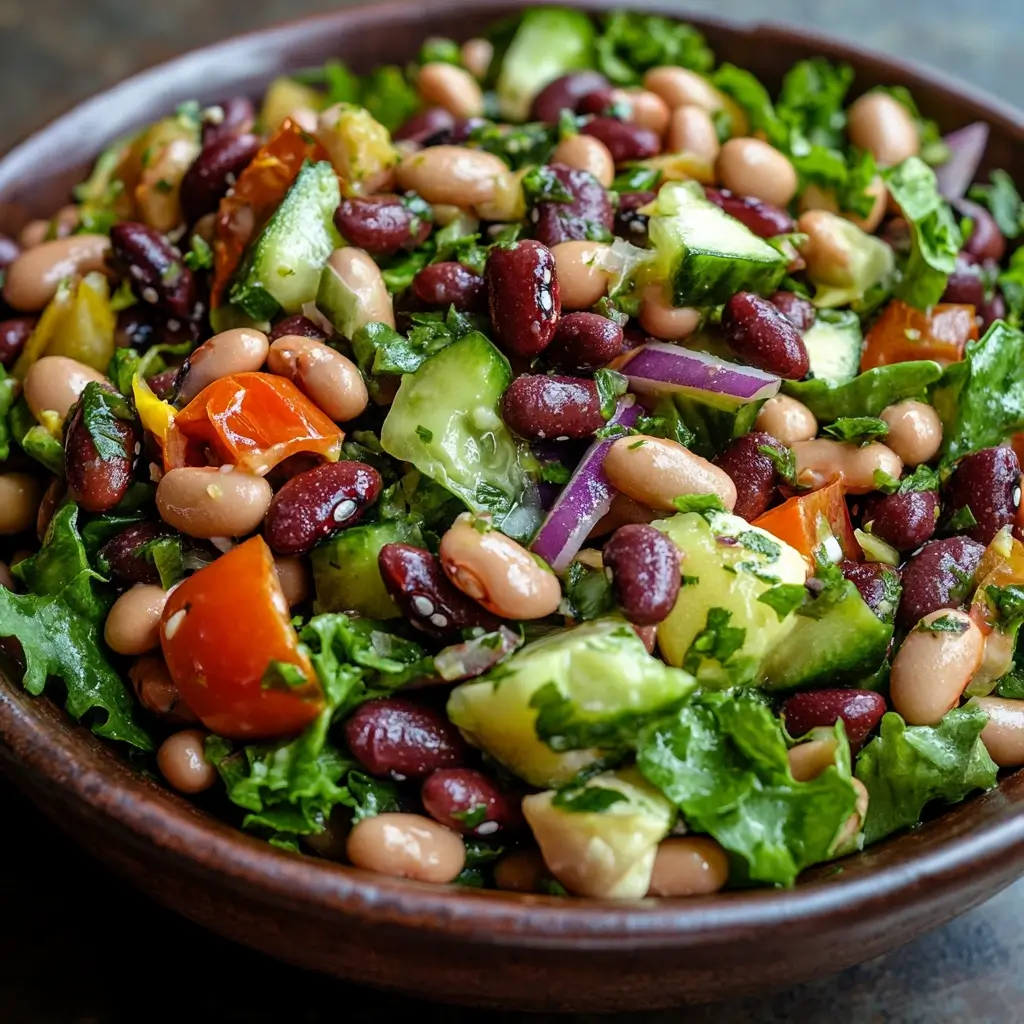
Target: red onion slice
{"x": 967, "y": 148}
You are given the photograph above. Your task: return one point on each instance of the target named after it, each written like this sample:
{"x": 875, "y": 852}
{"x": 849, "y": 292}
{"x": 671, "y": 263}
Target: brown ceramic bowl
{"x": 441, "y": 942}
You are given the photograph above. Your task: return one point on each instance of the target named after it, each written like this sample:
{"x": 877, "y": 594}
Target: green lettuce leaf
{"x": 868, "y": 393}
{"x": 722, "y": 759}
{"x": 1011, "y": 284}
{"x": 59, "y": 623}
{"x": 1003, "y": 201}
{"x": 629, "y": 43}
{"x": 980, "y": 400}
{"x": 388, "y": 96}
{"x": 907, "y": 767}
{"x": 8, "y": 395}
{"x": 811, "y": 100}
{"x": 935, "y": 236}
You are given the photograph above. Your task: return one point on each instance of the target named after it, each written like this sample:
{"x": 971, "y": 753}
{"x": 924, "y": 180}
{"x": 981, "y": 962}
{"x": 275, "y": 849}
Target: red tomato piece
{"x": 902, "y": 334}
{"x": 807, "y": 521}
{"x": 222, "y": 628}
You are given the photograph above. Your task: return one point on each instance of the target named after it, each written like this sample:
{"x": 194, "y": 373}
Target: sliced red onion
{"x": 475, "y": 657}
{"x": 584, "y": 499}
{"x": 660, "y": 369}
{"x": 966, "y": 148}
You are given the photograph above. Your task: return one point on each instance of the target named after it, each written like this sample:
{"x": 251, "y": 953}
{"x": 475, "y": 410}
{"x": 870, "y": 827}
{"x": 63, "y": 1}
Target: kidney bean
{"x": 120, "y": 553}
{"x": 450, "y": 284}
{"x": 237, "y": 116}
{"x": 9, "y": 251}
{"x": 214, "y": 171}
{"x": 752, "y": 471}
{"x": 992, "y": 310}
{"x": 600, "y": 101}
{"x": 566, "y": 93}
{"x": 860, "y": 710}
{"x": 13, "y": 335}
{"x": 575, "y": 220}
{"x": 417, "y": 583}
{"x": 762, "y": 336}
{"x": 297, "y": 325}
{"x": 625, "y": 141}
{"x": 398, "y": 737}
{"x": 315, "y": 504}
{"x": 429, "y": 127}
{"x": 524, "y": 296}
{"x": 986, "y": 241}
{"x": 558, "y": 408}
{"x": 800, "y": 312}
{"x": 762, "y": 218}
{"x": 95, "y": 482}
{"x": 380, "y": 224}
{"x": 965, "y": 284}
{"x": 644, "y": 567}
{"x": 875, "y": 582}
{"x": 940, "y": 575}
{"x": 584, "y": 342}
{"x": 143, "y": 326}
{"x": 164, "y": 384}
{"x": 905, "y": 521}
{"x": 155, "y": 268}
{"x": 468, "y": 801}
{"x": 988, "y": 483}
{"x": 629, "y": 223}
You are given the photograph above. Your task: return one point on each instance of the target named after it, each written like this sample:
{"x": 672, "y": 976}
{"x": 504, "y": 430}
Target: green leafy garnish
{"x": 101, "y": 410}
{"x": 785, "y": 598}
{"x": 167, "y": 557}
{"x": 857, "y": 429}
{"x": 588, "y": 593}
{"x": 1003, "y": 201}
{"x": 701, "y": 503}
{"x": 717, "y": 641}
{"x": 629, "y": 43}
{"x": 542, "y": 185}
{"x": 8, "y": 396}
{"x": 636, "y": 178}
{"x": 611, "y": 385}
{"x": 587, "y": 799}
{"x": 944, "y": 624}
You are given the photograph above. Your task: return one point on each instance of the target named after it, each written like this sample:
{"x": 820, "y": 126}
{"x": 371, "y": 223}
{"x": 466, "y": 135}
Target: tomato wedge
{"x": 902, "y": 334}
{"x": 250, "y": 420}
{"x": 808, "y": 521}
{"x": 257, "y": 193}
{"x": 222, "y": 629}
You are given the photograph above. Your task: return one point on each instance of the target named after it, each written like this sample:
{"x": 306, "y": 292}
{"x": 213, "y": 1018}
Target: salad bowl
{"x": 485, "y": 948}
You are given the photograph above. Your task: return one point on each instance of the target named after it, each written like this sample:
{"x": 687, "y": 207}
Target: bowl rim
{"x": 46, "y": 753}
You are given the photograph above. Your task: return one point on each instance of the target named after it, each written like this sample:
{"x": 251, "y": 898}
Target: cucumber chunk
{"x": 833, "y": 346}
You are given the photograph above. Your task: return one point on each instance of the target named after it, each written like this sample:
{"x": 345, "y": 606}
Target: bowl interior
{"x": 80, "y": 777}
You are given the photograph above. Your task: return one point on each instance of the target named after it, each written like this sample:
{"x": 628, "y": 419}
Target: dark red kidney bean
{"x": 764, "y": 337}
{"x": 800, "y": 312}
{"x": 298, "y": 324}
{"x": 120, "y": 553}
{"x": 763, "y": 219}
{"x": 155, "y": 268}
{"x": 584, "y": 342}
{"x": 556, "y": 408}
{"x": 877, "y": 584}
{"x": 940, "y": 575}
{"x": 467, "y": 801}
{"x": 633, "y": 336}
{"x": 644, "y": 567}
{"x": 988, "y": 483}
{"x": 523, "y": 294}
{"x": 565, "y": 93}
{"x": 564, "y": 222}
{"x": 965, "y": 285}
{"x": 426, "y": 127}
{"x": 629, "y": 223}
{"x": 986, "y": 241}
{"x": 214, "y": 171}
{"x": 164, "y": 384}
{"x": 13, "y": 335}
{"x": 600, "y": 101}
{"x": 315, "y": 504}
{"x": 380, "y": 224}
{"x": 860, "y": 710}
{"x": 428, "y": 599}
{"x": 238, "y": 118}
{"x": 97, "y": 483}
{"x": 463, "y": 129}
{"x": 752, "y": 471}
{"x": 142, "y": 326}
{"x": 992, "y": 310}
{"x": 625, "y": 141}
{"x": 905, "y": 521}
{"x": 9, "y": 251}
{"x": 450, "y": 284}
{"x": 406, "y": 740}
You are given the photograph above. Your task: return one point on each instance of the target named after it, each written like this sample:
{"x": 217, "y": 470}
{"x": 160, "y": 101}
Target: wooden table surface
{"x": 79, "y": 947}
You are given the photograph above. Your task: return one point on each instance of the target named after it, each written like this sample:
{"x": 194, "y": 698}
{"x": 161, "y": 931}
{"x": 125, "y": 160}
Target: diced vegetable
{"x": 285, "y": 96}
{"x": 967, "y": 147}
{"x": 857, "y": 262}
{"x": 359, "y": 147}
{"x": 833, "y": 344}
{"x": 815, "y": 521}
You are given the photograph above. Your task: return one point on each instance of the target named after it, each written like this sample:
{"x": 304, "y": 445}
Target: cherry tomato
{"x": 903, "y": 333}
{"x": 250, "y": 420}
{"x": 222, "y": 629}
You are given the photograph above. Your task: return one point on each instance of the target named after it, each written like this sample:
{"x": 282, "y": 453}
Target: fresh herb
{"x": 1003, "y": 201}
{"x": 381, "y": 351}
{"x": 555, "y": 473}
{"x": 542, "y": 185}
{"x": 388, "y": 96}
{"x": 723, "y": 760}
{"x": 369, "y": 797}
{"x": 425, "y": 435}
{"x": 636, "y": 178}
{"x": 478, "y": 856}
{"x": 437, "y": 50}
{"x": 1011, "y": 284}
{"x": 700, "y": 503}
{"x": 611, "y": 385}
{"x": 717, "y": 641}
{"x": 59, "y": 622}
{"x": 944, "y": 624}
{"x": 907, "y": 767}
{"x": 629, "y": 43}
{"x": 783, "y": 460}
{"x": 754, "y": 540}
{"x": 885, "y": 482}
{"x": 522, "y": 145}
{"x": 588, "y": 593}
{"x": 857, "y": 429}
{"x": 666, "y": 422}
{"x": 165, "y": 554}
{"x": 1008, "y": 603}
{"x": 924, "y": 478}
{"x": 473, "y": 816}
{"x": 8, "y": 396}
{"x": 199, "y": 255}
{"x": 587, "y": 799}
{"x": 962, "y": 519}
{"x": 283, "y": 676}
{"x": 102, "y": 412}
{"x": 785, "y": 598}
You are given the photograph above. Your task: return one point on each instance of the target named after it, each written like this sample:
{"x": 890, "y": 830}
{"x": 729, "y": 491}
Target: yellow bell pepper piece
{"x": 156, "y": 415}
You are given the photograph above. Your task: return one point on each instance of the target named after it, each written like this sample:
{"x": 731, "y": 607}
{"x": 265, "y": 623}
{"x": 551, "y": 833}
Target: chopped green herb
{"x": 944, "y": 624}
{"x": 702, "y": 503}
{"x": 857, "y": 429}
{"x": 611, "y": 385}
{"x": 785, "y": 598}
{"x": 587, "y": 800}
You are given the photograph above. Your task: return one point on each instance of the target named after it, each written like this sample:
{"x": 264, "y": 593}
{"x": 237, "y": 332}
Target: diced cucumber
{"x": 846, "y": 644}
{"x": 445, "y": 420}
{"x": 833, "y": 346}
{"x": 344, "y": 306}
{"x": 345, "y": 570}
{"x": 705, "y": 255}
{"x": 283, "y": 269}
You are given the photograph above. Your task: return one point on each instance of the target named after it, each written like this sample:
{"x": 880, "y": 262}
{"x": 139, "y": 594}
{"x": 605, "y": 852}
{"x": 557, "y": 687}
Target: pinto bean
{"x": 54, "y": 383}
{"x": 182, "y": 762}
{"x": 133, "y": 622}
{"x": 208, "y": 502}
{"x": 688, "y": 866}
{"x": 915, "y": 431}
{"x": 884, "y": 127}
{"x": 581, "y": 279}
{"x": 239, "y": 350}
{"x": 453, "y": 88}
{"x": 787, "y": 420}
{"x": 586, "y": 153}
{"x": 331, "y": 380}
{"x": 1003, "y": 735}
{"x": 452, "y": 174}
{"x": 20, "y": 494}
{"x": 750, "y": 167}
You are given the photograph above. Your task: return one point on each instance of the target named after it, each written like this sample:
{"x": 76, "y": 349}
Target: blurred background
{"x": 78, "y": 947}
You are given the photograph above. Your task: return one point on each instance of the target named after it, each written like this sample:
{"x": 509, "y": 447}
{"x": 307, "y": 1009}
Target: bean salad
{"x": 559, "y": 464}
